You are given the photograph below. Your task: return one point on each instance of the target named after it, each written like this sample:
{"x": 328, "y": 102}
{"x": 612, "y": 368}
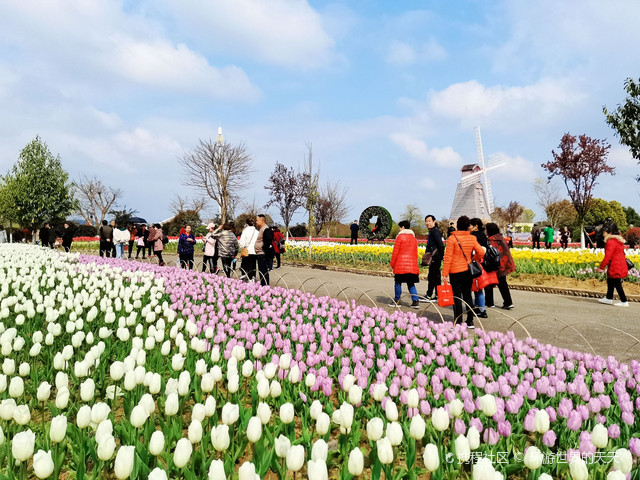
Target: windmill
{"x": 474, "y": 196}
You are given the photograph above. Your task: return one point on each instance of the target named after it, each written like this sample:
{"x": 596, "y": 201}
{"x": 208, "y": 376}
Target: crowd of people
{"x": 450, "y": 264}
{"x": 258, "y": 246}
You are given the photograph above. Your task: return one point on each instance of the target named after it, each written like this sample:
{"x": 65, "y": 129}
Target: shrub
{"x": 298, "y": 230}
{"x": 632, "y": 236}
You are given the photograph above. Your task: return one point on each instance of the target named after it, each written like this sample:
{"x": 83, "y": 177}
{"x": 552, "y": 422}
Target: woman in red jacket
{"x": 404, "y": 264}
{"x": 278, "y": 245}
{"x": 615, "y": 263}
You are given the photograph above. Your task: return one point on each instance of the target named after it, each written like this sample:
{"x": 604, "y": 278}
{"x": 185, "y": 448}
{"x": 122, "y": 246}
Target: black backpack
{"x": 165, "y": 239}
{"x": 491, "y": 261}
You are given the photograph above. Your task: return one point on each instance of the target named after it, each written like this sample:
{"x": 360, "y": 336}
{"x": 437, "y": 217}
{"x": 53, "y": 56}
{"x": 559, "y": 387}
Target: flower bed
{"x": 127, "y": 369}
{"x": 572, "y": 262}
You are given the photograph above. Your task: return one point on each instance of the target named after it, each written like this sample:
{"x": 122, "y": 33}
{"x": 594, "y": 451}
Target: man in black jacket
{"x": 44, "y": 235}
{"x": 355, "y": 228}
{"x": 435, "y": 245}
{"x": 67, "y": 237}
{"x": 264, "y": 248}
{"x": 106, "y": 239}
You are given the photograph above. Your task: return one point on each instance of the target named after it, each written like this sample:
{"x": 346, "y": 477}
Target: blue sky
{"x": 388, "y": 93}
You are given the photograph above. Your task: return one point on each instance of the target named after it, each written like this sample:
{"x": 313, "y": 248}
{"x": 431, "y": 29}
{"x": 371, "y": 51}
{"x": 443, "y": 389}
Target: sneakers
{"x": 606, "y": 301}
{"x": 415, "y": 304}
{"x": 491, "y": 306}
{"x": 507, "y": 307}
{"x": 424, "y": 300}
{"x": 394, "y": 303}
{"x": 470, "y": 325}
{"x": 482, "y": 315}
{"x": 621, "y": 304}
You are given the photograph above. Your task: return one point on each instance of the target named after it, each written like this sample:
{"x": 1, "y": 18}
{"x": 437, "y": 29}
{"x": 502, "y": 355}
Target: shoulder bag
{"x": 474, "y": 267}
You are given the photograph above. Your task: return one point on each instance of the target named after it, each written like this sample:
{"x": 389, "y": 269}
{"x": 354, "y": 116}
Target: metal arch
{"x": 292, "y": 274}
{"x": 280, "y": 278}
{"x": 324, "y": 284}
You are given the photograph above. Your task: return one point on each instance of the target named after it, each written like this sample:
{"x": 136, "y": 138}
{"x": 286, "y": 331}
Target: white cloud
{"x": 402, "y": 54}
{"x": 416, "y": 148}
{"x": 620, "y": 157}
{"x": 471, "y": 103}
{"x": 514, "y": 168}
{"x": 96, "y": 43}
{"x": 281, "y": 32}
{"x": 428, "y": 183}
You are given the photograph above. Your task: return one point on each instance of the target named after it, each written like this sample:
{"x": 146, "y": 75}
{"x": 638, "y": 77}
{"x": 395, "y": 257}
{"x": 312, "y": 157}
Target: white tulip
{"x": 62, "y": 398}
{"x": 116, "y": 370}
{"x": 43, "y": 464}
{"x": 247, "y": 368}
{"x": 3, "y": 382}
{"x": 533, "y": 458}
{"x": 99, "y": 412}
{"x": 124, "y": 462}
{"x": 9, "y": 366}
{"x": 263, "y": 388}
{"x": 578, "y": 468}
{"x": 315, "y": 409}
{"x": 254, "y": 429}
{"x": 600, "y": 436}
{"x": 182, "y": 453}
{"x": 157, "y": 474}
{"x": 22, "y": 414}
{"x": 130, "y": 381}
{"x": 348, "y": 382}
{"x": 171, "y": 405}
{"x": 355, "y": 395}
{"x": 198, "y": 412}
{"x": 287, "y": 413}
{"x": 356, "y": 462}
{"x": 473, "y": 435}
{"x": 295, "y": 458}
{"x": 58, "y": 429}
{"x": 440, "y": 419}
{"x": 320, "y": 450}
{"x": 156, "y": 443}
{"x": 391, "y": 411}
{"x": 323, "y": 423}
{"x": 616, "y": 475}
{"x": 285, "y": 361}
{"x": 62, "y": 380}
{"x": 220, "y": 438}
{"x": 385, "y": 451}
{"x": 155, "y": 384}
{"x": 417, "y": 427}
{"x": 275, "y": 389}
{"x": 24, "y": 369}
{"x": 282, "y": 446}
{"x": 317, "y": 470}
{"x": 270, "y": 370}
{"x": 294, "y": 374}
{"x": 455, "y": 407}
{"x": 83, "y": 417}
{"x": 16, "y": 387}
{"x": 431, "y": 457}
{"x": 87, "y": 389}
{"x": 210, "y": 406}
{"x": 195, "y": 431}
{"x": 233, "y": 384}
{"x": 139, "y": 416}
{"x": 310, "y": 380}
{"x": 230, "y": 413}
{"x": 541, "y": 421}
{"x": 177, "y": 362}
{"x": 148, "y": 403}
{"x": 463, "y": 451}
{"x": 622, "y": 460}
{"x": 35, "y": 350}
{"x": 216, "y": 471}
{"x": 247, "y": 471}
{"x": 375, "y": 429}
{"x": 104, "y": 430}
{"x": 488, "y": 405}
{"x": 22, "y": 445}
{"x": 394, "y": 433}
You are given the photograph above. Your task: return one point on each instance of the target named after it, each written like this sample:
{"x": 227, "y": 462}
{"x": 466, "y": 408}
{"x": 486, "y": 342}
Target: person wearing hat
{"x": 210, "y": 249}
{"x": 535, "y": 236}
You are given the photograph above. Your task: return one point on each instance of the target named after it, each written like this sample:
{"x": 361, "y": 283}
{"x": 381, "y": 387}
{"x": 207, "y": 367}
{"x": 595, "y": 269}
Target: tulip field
{"x": 115, "y": 369}
{"x": 572, "y": 262}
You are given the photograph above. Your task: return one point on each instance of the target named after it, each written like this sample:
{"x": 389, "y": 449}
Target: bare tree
{"x": 547, "y": 191}
{"x": 95, "y": 199}
{"x": 508, "y": 215}
{"x": 287, "y": 190}
{"x": 412, "y": 215}
{"x": 220, "y": 170}
{"x": 182, "y": 204}
{"x": 331, "y": 207}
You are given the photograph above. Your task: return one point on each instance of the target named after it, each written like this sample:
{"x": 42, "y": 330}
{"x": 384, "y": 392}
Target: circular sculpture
{"x": 382, "y": 227}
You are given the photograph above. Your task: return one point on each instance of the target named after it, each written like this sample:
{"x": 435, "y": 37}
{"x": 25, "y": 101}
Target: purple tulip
{"x": 574, "y": 422}
{"x": 634, "y": 446}
{"x": 549, "y": 438}
{"x": 613, "y": 431}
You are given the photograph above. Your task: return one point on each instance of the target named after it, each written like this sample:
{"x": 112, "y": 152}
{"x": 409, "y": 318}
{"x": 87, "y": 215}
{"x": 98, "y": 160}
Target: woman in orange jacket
{"x": 462, "y": 248}
{"x": 404, "y": 264}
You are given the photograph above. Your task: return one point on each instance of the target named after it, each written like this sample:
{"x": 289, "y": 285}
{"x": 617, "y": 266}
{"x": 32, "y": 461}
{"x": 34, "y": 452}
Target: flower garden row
{"x": 114, "y": 368}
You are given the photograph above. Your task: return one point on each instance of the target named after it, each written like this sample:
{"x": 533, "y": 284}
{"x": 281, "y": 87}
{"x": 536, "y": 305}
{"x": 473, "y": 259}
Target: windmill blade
{"x": 488, "y": 193}
{"x": 496, "y": 160}
{"x": 471, "y": 178}
{"x": 479, "y": 151}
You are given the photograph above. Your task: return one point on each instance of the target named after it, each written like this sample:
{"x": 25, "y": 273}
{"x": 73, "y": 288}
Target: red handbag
{"x": 445, "y": 295}
{"x": 484, "y": 280}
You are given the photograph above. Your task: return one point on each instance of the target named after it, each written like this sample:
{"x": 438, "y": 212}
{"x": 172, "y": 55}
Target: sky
{"x": 387, "y": 93}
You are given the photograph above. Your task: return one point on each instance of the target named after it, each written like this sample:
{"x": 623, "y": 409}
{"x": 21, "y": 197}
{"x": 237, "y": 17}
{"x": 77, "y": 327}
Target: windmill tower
{"x": 474, "y": 197}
